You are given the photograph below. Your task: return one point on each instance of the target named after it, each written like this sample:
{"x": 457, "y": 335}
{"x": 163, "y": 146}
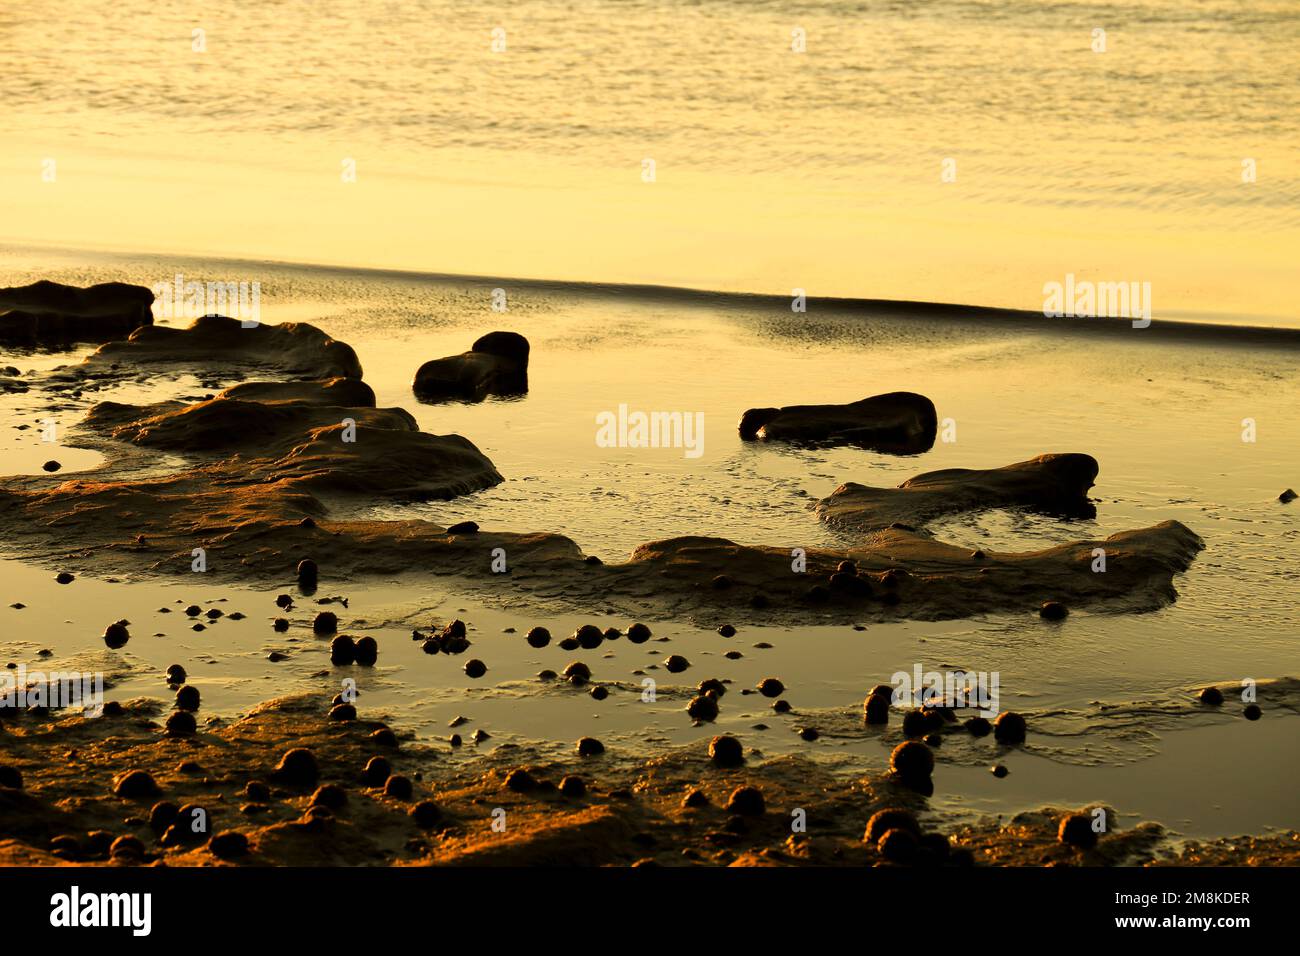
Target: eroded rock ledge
{"x": 53, "y": 314}
{"x": 273, "y": 463}
{"x": 1055, "y": 483}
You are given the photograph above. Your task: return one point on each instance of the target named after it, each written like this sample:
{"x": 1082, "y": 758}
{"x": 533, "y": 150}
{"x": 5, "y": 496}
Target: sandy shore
{"x": 261, "y": 479}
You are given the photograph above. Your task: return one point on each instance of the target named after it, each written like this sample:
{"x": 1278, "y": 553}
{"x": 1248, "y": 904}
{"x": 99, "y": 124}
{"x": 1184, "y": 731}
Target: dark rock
{"x": 398, "y": 787}
{"x": 228, "y": 845}
{"x": 897, "y": 423}
{"x": 912, "y": 760}
{"x": 162, "y": 815}
{"x": 978, "y": 726}
{"x": 712, "y": 684}
{"x": 127, "y": 846}
{"x": 588, "y": 637}
{"x": 638, "y": 633}
{"x": 746, "y": 801}
{"x": 538, "y": 637}
{"x": 771, "y": 687}
{"x": 181, "y": 723}
{"x": 53, "y": 314}
{"x": 257, "y": 790}
{"x": 898, "y": 846}
{"x": 1211, "y": 696}
{"x": 1252, "y": 712}
{"x": 891, "y": 818}
{"x": 343, "y": 712}
{"x": 577, "y": 668}
{"x": 1076, "y": 830}
{"x": 695, "y": 798}
{"x": 590, "y": 747}
{"x": 703, "y": 708}
{"x": 463, "y": 527}
{"x": 330, "y": 795}
{"x": 1009, "y": 728}
{"x": 727, "y": 630}
{"x": 175, "y": 674}
{"x": 307, "y": 573}
{"x": 280, "y": 625}
{"x": 367, "y": 651}
{"x": 65, "y": 577}
{"x": 675, "y": 664}
{"x": 426, "y": 814}
{"x": 376, "y": 772}
{"x": 726, "y": 751}
{"x": 326, "y": 622}
{"x": 135, "y": 785}
{"x": 187, "y": 698}
{"x": 343, "y": 650}
{"x": 497, "y": 364}
{"x": 876, "y": 709}
{"x": 521, "y": 781}
{"x": 116, "y": 635}
{"x": 1053, "y": 611}
{"x": 298, "y": 767}
{"x": 572, "y": 786}
{"x": 475, "y": 668}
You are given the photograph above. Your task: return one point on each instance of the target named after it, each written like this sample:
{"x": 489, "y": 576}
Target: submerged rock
{"x": 295, "y": 348}
{"x": 496, "y": 364}
{"x": 1055, "y": 483}
{"x": 898, "y": 422}
{"x": 1009, "y": 728}
{"x": 912, "y": 760}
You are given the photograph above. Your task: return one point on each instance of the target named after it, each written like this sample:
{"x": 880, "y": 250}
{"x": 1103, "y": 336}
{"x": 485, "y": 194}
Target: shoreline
{"x": 1167, "y": 330}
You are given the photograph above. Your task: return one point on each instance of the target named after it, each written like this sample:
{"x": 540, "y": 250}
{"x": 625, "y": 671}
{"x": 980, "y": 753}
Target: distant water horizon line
{"x": 1166, "y": 329}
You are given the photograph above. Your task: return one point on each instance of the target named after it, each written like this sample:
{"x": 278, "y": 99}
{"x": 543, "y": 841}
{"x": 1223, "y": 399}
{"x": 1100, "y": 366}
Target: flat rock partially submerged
{"x": 497, "y": 364}
{"x": 1055, "y": 483}
{"x": 901, "y": 423}
{"x": 53, "y": 314}
{"x": 216, "y": 342}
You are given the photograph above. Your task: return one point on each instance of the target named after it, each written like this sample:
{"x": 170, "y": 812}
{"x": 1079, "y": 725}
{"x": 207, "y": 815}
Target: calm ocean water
{"x": 523, "y": 151}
